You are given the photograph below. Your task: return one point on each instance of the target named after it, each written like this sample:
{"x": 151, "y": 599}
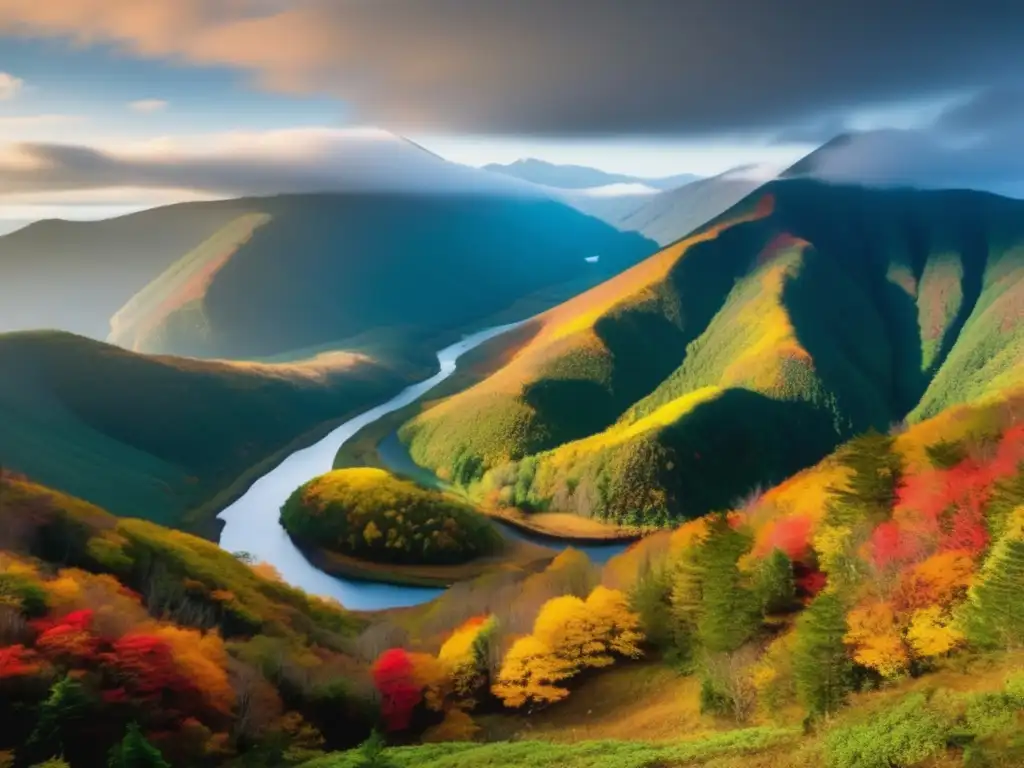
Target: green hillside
{"x": 160, "y": 437}
{"x": 731, "y": 359}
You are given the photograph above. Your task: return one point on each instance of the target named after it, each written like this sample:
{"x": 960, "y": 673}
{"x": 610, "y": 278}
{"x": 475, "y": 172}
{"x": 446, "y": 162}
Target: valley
{"x": 489, "y": 384}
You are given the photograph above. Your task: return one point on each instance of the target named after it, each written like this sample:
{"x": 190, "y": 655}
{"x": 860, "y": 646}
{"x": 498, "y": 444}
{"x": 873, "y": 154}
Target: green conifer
{"x": 730, "y": 610}
{"x": 821, "y": 666}
{"x": 135, "y": 751}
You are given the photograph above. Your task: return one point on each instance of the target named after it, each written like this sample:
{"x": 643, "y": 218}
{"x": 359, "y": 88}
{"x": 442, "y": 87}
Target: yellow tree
{"x": 530, "y": 674}
{"x": 932, "y": 632}
{"x": 876, "y": 640}
{"x": 617, "y": 627}
{"x": 464, "y": 656}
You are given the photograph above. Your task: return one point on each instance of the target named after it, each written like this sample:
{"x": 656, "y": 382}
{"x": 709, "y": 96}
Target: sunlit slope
{"x": 304, "y": 270}
{"x": 731, "y": 359}
{"x": 159, "y": 436}
{"x": 174, "y": 299}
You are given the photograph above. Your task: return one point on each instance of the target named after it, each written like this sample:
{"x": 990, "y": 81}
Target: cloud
{"x": 923, "y": 158}
{"x": 235, "y": 164}
{"x": 147, "y": 106}
{"x": 686, "y": 68}
{"x": 10, "y": 86}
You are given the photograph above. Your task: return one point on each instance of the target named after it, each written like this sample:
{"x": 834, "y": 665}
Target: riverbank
{"x": 517, "y": 553}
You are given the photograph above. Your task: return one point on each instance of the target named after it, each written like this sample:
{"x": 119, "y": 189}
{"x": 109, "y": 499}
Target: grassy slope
{"x": 159, "y": 437}
{"x": 304, "y": 270}
{"x": 802, "y": 316}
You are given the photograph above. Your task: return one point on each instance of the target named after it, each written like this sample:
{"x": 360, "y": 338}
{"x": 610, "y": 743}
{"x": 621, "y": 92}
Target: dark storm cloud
{"x": 573, "y": 67}
{"x": 993, "y": 109}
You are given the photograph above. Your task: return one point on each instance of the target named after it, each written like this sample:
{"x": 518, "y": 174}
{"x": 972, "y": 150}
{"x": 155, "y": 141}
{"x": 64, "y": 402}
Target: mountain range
{"x": 805, "y": 314}
{"x": 580, "y": 176}
{"x": 258, "y": 276}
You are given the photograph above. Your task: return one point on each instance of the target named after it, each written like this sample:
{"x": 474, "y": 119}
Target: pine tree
{"x": 61, "y": 715}
{"x": 730, "y": 611}
{"x": 871, "y": 486}
{"x": 994, "y": 613}
{"x": 776, "y": 588}
{"x": 135, "y": 752}
{"x": 820, "y": 664}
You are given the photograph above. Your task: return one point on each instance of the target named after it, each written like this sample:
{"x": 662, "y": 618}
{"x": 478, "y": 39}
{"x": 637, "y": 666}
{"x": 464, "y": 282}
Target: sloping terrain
{"x": 675, "y": 213}
{"x": 301, "y": 271}
{"x": 120, "y": 621}
{"x": 159, "y": 437}
{"x": 580, "y": 176}
{"x": 804, "y": 315}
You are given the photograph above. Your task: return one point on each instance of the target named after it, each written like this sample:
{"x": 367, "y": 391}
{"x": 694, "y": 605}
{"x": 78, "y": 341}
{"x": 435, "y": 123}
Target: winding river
{"x": 252, "y": 523}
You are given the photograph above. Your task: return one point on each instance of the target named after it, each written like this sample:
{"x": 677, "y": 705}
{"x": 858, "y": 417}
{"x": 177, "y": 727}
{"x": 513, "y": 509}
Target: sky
{"x": 96, "y": 96}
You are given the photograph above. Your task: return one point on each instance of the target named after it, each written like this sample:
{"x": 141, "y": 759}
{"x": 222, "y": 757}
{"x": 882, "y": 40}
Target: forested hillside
{"x": 866, "y": 612}
{"x": 122, "y": 634}
{"x": 803, "y": 316}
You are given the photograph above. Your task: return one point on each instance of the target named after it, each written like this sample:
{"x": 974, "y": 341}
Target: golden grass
{"x": 644, "y": 702}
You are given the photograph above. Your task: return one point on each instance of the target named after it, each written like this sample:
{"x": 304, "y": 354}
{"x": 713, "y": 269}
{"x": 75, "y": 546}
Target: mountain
{"x": 579, "y": 176}
{"x": 670, "y": 215}
{"x": 263, "y": 275}
{"x": 161, "y": 437}
{"x": 805, "y": 314}
{"x": 299, "y": 271}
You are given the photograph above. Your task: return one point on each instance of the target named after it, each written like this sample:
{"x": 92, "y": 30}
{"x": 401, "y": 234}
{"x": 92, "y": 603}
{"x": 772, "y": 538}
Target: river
{"x": 252, "y": 523}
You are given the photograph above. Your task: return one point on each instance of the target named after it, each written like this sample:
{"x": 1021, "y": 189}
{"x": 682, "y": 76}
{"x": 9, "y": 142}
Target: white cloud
{"x": 10, "y": 86}
{"x": 147, "y": 106}
{"x": 237, "y": 164}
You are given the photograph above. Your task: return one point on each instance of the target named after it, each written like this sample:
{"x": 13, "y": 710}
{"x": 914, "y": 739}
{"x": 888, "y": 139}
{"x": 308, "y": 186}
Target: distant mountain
{"x": 579, "y": 176}
{"x": 670, "y": 215}
{"x": 413, "y": 241}
{"x": 805, "y": 314}
{"x": 297, "y": 271}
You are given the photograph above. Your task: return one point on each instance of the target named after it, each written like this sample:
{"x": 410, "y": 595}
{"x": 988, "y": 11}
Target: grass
{"x": 166, "y": 438}
{"x": 593, "y": 754}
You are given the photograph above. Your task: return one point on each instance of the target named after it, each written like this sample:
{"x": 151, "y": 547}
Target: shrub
{"x": 905, "y": 735}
